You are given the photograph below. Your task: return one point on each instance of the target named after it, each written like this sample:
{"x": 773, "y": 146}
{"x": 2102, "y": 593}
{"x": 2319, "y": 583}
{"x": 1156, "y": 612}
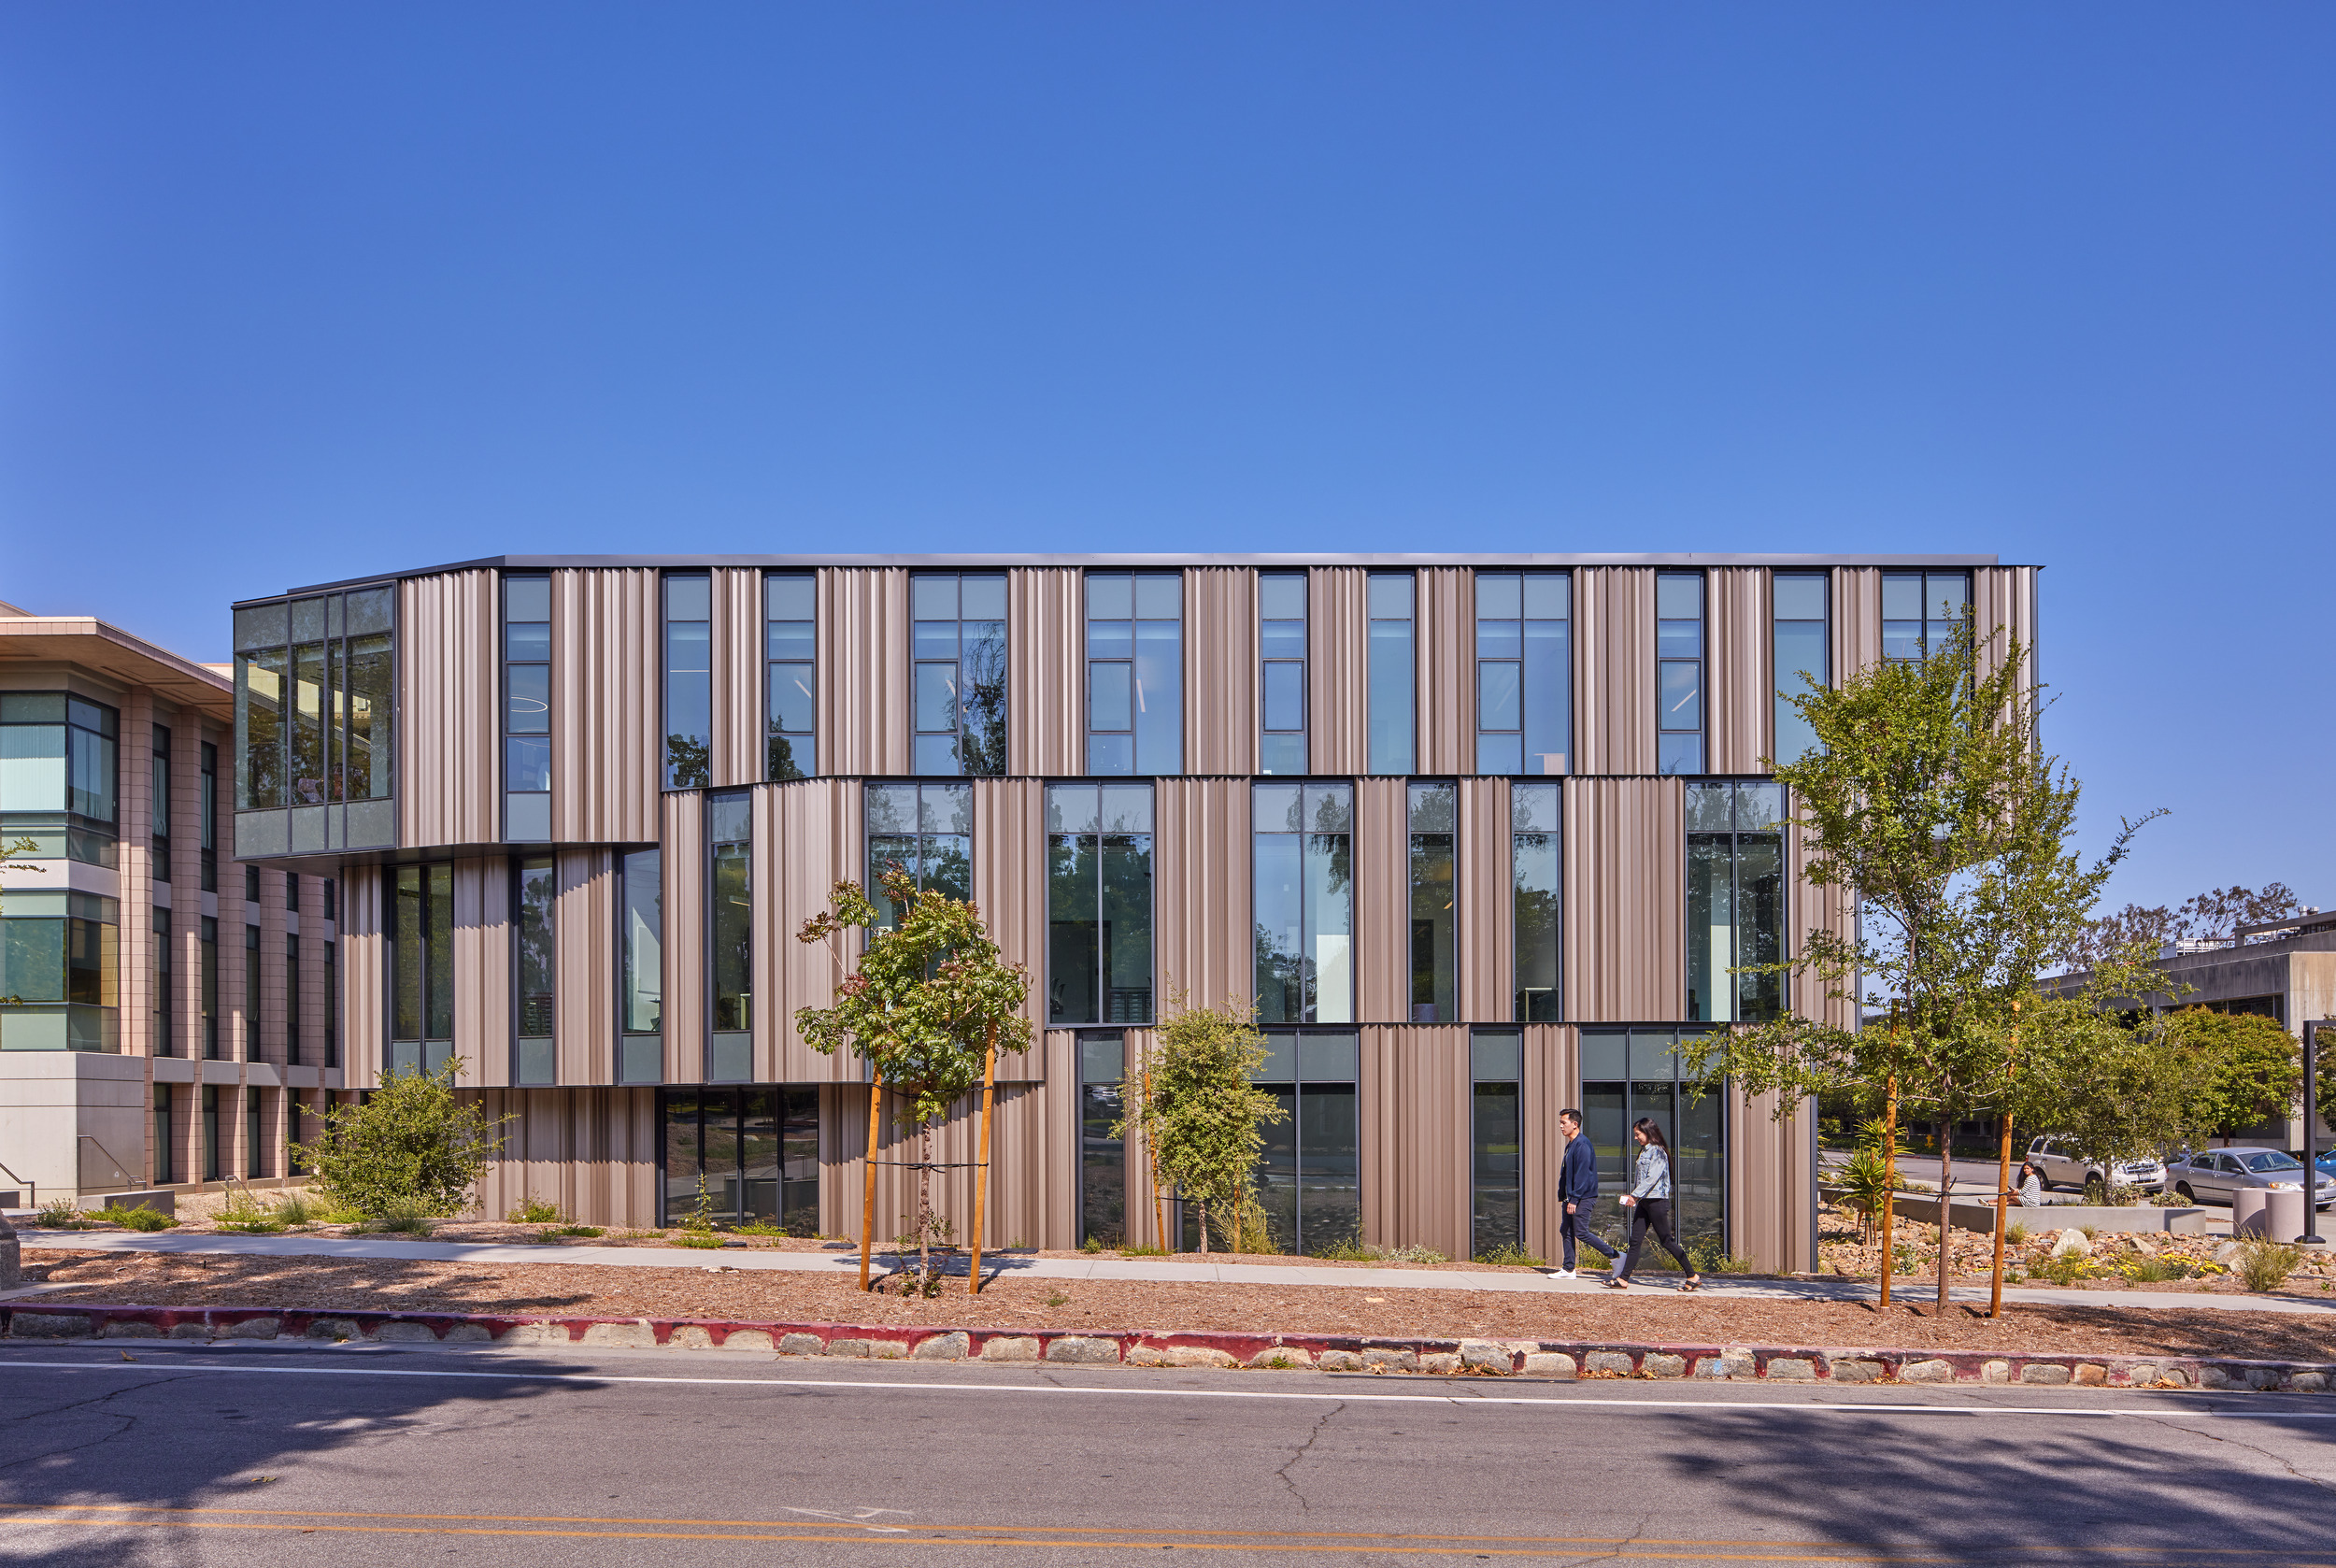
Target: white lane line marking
{"x": 1562, "y": 1402}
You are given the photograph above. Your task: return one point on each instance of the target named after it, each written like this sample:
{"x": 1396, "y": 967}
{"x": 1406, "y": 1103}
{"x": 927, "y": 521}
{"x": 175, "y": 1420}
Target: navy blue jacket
{"x": 1577, "y": 1178}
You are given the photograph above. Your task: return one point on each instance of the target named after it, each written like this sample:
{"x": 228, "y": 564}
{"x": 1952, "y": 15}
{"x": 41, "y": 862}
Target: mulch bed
{"x": 1651, "y": 1316}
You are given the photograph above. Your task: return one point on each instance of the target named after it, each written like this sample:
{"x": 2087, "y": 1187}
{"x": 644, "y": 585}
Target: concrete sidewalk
{"x": 1186, "y": 1269}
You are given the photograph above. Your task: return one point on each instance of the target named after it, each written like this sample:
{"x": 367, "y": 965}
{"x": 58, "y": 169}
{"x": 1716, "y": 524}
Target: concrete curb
{"x": 1554, "y": 1359}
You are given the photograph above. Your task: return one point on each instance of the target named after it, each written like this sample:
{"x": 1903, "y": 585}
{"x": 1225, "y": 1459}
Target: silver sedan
{"x": 2216, "y": 1175}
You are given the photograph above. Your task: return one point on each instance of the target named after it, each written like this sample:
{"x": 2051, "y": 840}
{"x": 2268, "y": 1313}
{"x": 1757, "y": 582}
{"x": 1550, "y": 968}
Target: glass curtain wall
{"x": 1536, "y": 839}
{"x": 158, "y": 805}
{"x": 730, "y": 937}
{"x": 1099, "y": 904}
{"x": 1632, "y": 1073}
{"x": 1735, "y": 900}
{"x": 1496, "y": 1164}
{"x": 927, "y": 830}
{"x": 527, "y": 709}
{"x": 1103, "y": 1156}
{"x": 1135, "y": 672}
{"x": 1302, "y": 878}
{"x": 1435, "y": 970}
{"x": 689, "y": 680}
{"x": 1281, "y": 600}
{"x": 58, "y": 784}
{"x": 1921, "y": 611}
{"x": 960, "y": 672}
{"x": 1308, "y": 1176}
{"x": 421, "y": 968}
{"x": 1393, "y": 672}
{"x": 791, "y": 610}
{"x": 60, "y": 958}
{"x": 745, "y": 1156}
{"x": 1803, "y": 647}
{"x": 1679, "y": 672}
{"x": 534, "y": 1060}
{"x": 641, "y": 986}
{"x": 1524, "y": 672}
{"x": 315, "y": 695}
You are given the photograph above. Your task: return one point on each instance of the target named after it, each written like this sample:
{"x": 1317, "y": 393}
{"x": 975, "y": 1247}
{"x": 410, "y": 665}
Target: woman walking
{"x": 1649, "y": 1202}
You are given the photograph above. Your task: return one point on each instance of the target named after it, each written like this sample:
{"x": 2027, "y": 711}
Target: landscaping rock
{"x": 1148, "y": 1355}
{"x": 2309, "y": 1382}
{"x": 1996, "y": 1372}
{"x": 2089, "y": 1375}
{"x": 942, "y": 1347}
{"x": 1791, "y": 1369}
{"x": 2142, "y": 1374}
{"x": 2073, "y": 1244}
{"x": 203, "y": 1331}
{"x": 131, "y": 1328}
{"x": 1481, "y": 1355}
{"x": 2215, "y": 1377}
{"x": 1931, "y": 1370}
{"x": 2175, "y": 1377}
{"x": 1549, "y": 1363}
{"x": 857, "y": 1348}
{"x": 321, "y": 1328}
{"x": 50, "y": 1325}
{"x": 264, "y": 1328}
{"x": 1281, "y": 1358}
{"x": 1010, "y": 1348}
{"x": 2262, "y": 1377}
{"x": 886, "y": 1350}
{"x": 686, "y": 1336}
{"x": 1655, "y": 1364}
{"x": 631, "y": 1335}
{"x": 2038, "y": 1372}
{"x": 1859, "y": 1371}
{"x": 530, "y": 1334}
{"x": 1338, "y": 1361}
{"x": 1441, "y": 1361}
{"x": 800, "y": 1344}
{"x": 1199, "y": 1355}
{"x": 747, "y": 1339}
{"x": 1377, "y": 1357}
{"x": 1613, "y": 1363}
{"x": 1085, "y": 1350}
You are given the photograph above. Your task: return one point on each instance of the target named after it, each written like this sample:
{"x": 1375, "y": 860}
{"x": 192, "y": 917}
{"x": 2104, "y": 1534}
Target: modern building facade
{"x": 172, "y": 1009}
{"x": 1481, "y": 837}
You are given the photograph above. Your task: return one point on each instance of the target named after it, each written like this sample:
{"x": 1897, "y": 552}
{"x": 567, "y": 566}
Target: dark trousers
{"x": 1577, "y": 1225}
{"x": 1652, "y": 1214}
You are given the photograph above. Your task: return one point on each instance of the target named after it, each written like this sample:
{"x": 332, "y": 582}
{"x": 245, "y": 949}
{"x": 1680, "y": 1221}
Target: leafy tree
{"x": 928, "y": 1001}
{"x": 1198, "y": 1111}
{"x": 2255, "y": 1068}
{"x": 2219, "y": 912}
{"x": 411, "y": 1146}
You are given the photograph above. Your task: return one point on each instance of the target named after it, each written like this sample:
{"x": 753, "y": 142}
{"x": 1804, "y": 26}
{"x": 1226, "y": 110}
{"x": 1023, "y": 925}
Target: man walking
{"x": 1578, "y": 1191}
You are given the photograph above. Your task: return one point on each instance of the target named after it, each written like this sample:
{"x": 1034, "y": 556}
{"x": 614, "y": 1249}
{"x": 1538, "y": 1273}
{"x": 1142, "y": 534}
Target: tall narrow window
{"x": 331, "y": 1005}
{"x": 1306, "y": 1175}
{"x": 1135, "y": 672}
{"x": 305, "y": 701}
{"x": 252, "y": 1010}
{"x": 1102, "y": 1153}
{"x": 1304, "y": 882}
{"x": 260, "y": 668}
{"x": 166, "y": 1168}
{"x": 212, "y": 1168}
{"x": 1434, "y": 970}
{"x": 641, "y": 988}
{"x": 1921, "y": 611}
{"x": 291, "y": 891}
{"x": 422, "y": 969}
{"x": 1099, "y": 904}
{"x": 254, "y": 1146}
{"x": 1679, "y": 672}
{"x": 960, "y": 672}
{"x": 927, "y": 830}
{"x": 1803, "y": 655}
{"x": 1735, "y": 901}
{"x": 1496, "y": 1141}
{"x": 158, "y": 813}
{"x": 689, "y": 680}
{"x": 166, "y": 1022}
{"x": 1535, "y": 832}
{"x": 208, "y": 957}
{"x": 1635, "y": 1073}
{"x": 1393, "y": 671}
{"x": 1524, "y": 672}
{"x": 527, "y": 709}
{"x": 534, "y": 1062}
{"x": 366, "y": 700}
{"x": 790, "y": 607}
{"x": 209, "y": 837}
{"x": 292, "y": 1000}
{"x": 730, "y": 937}
{"x": 1281, "y": 608}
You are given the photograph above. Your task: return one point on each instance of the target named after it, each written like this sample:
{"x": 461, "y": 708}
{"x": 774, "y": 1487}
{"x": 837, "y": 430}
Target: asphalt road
{"x": 197, "y": 1455}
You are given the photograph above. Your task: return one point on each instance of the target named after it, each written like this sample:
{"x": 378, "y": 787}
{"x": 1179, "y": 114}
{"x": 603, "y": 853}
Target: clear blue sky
{"x": 296, "y": 292}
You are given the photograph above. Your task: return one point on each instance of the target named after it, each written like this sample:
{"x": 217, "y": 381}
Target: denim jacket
{"x": 1653, "y": 1174}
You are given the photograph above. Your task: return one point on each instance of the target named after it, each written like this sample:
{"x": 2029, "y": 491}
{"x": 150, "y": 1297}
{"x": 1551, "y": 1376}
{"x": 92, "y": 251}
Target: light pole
{"x": 2312, "y": 1128}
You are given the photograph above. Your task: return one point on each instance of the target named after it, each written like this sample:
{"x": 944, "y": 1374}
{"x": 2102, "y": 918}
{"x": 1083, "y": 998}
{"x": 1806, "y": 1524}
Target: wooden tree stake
{"x": 867, "y": 1204}
{"x": 981, "y": 1172}
{"x": 2003, "y": 1189}
{"x": 1889, "y": 1186}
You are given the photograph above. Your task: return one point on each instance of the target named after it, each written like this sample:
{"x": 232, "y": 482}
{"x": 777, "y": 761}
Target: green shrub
{"x": 2015, "y": 1233}
{"x": 1353, "y": 1249}
{"x": 532, "y": 1210}
{"x": 2065, "y": 1271}
{"x": 1709, "y": 1257}
{"x": 2152, "y": 1271}
{"x": 57, "y": 1214}
{"x": 144, "y": 1219}
{"x": 402, "y": 1217}
{"x": 698, "y": 1238}
{"x": 1512, "y": 1255}
{"x": 296, "y": 1207}
{"x": 1094, "y": 1244}
{"x": 410, "y": 1147}
{"x": 242, "y": 1212}
{"x": 1127, "y": 1250}
{"x": 761, "y": 1228}
{"x": 575, "y": 1231}
{"x": 2264, "y": 1265}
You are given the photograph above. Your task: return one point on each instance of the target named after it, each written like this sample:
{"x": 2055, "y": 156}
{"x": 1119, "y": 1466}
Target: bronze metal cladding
{"x": 1857, "y": 620}
{"x": 1486, "y": 915}
{"x": 1010, "y": 890}
{"x": 1382, "y": 874}
{"x": 1414, "y": 1102}
{"x": 1625, "y": 879}
{"x": 1810, "y": 908}
{"x": 2003, "y": 612}
{"x": 863, "y": 717}
{"x": 1220, "y": 670}
{"x": 584, "y": 972}
{"x": 1739, "y": 678}
{"x": 1338, "y": 671}
{"x": 1445, "y": 633}
{"x": 482, "y": 970}
{"x": 593, "y": 1151}
{"x": 1614, "y": 687}
{"x": 1771, "y": 1171}
{"x": 738, "y": 661}
{"x": 364, "y": 956}
{"x": 606, "y": 702}
{"x": 1552, "y": 1082}
{"x": 1045, "y": 634}
{"x": 684, "y": 976}
{"x": 806, "y": 839}
{"x": 1201, "y": 944}
{"x": 448, "y": 669}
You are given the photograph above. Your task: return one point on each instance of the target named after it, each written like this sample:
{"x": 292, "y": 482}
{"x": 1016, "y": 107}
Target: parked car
{"x": 2217, "y": 1174}
{"x": 2062, "y": 1168}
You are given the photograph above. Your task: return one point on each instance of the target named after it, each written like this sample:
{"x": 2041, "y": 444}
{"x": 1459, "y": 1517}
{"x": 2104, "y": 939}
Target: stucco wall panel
{"x": 1220, "y": 670}
{"x": 865, "y": 716}
{"x": 1338, "y": 667}
{"x": 1624, "y": 879}
{"x": 1201, "y": 901}
{"x": 1046, "y": 639}
{"x": 1740, "y": 683}
{"x": 448, "y": 675}
{"x": 606, "y": 702}
{"x": 1614, "y": 683}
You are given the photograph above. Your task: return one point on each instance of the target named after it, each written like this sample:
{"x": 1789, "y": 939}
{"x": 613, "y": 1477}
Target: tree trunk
{"x": 1203, "y": 1229}
{"x": 924, "y": 1206}
{"x": 1889, "y": 1184}
{"x": 1947, "y": 1198}
{"x": 867, "y": 1200}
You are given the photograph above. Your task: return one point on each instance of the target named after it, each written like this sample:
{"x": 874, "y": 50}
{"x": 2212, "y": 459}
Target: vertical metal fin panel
{"x": 607, "y": 703}
{"x": 1857, "y": 620}
{"x": 584, "y": 966}
{"x": 2003, "y": 612}
{"x": 1739, "y": 679}
{"x": 594, "y": 1152}
{"x": 1624, "y": 879}
{"x": 1810, "y": 908}
{"x": 806, "y": 839}
{"x": 685, "y": 977}
{"x": 1010, "y": 886}
{"x": 133, "y": 784}
{"x": 482, "y": 971}
{"x": 1220, "y": 670}
{"x": 1771, "y": 1171}
{"x": 1446, "y": 641}
{"x": 363, "y": 967}
{"x": 1338, "y": 671}
{"x": 737, "y": 659}
{"x": 1382, "y": 894}
{"x": 1414, "y": 1106}
{"x": 863, "y": 717}
{"x": 187, "y": 736}
{"x": 1045, "y": 634}
{"x": 1487, "y": 915}
{"x": 1552, "y": 1083}
{"x": 448, "y": 672}
{"x": 1614, "y": 689}
{"x": 1202, "y": 942}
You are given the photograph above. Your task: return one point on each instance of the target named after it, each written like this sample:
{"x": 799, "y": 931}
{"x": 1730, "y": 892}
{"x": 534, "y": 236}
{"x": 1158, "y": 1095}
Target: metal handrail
{"x": 32, "y": 1190}
{"x": 128, "y": 1181}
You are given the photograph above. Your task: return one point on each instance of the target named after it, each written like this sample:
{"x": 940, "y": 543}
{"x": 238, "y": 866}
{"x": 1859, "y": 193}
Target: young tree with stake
{"x": 1197, "y": 1111}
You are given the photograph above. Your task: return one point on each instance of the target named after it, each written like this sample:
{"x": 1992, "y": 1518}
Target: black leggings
{"x": 1655, "y": 1214}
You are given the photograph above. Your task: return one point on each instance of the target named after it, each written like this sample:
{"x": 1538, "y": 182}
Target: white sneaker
{"x": 1561, "y": 1274}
